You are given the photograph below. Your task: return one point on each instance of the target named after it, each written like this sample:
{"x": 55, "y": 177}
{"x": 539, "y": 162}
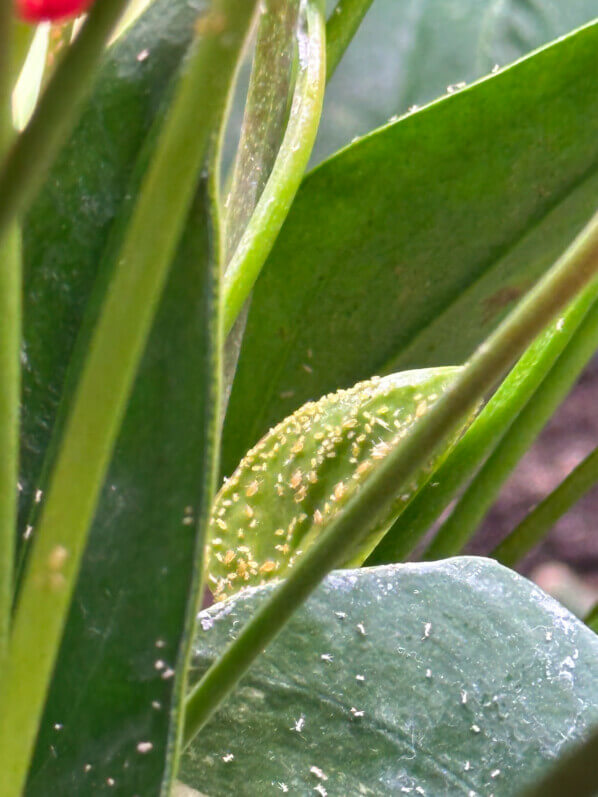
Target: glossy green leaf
{"x": 301, "y": 475}
{"x": 67, "y": 229}
{"x": 382, "y": 683}
{"x": 112, "y": 716}
{"x": 114, "y": 694}
{"x": 407, "y": 248}
{"x": 408, "y": 53}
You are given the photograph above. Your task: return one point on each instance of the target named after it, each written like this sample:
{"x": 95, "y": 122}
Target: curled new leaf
{"x": 302, "y": 473}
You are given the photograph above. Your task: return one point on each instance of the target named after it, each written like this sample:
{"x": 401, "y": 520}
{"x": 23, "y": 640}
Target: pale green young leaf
{"x": 302, "y": 473}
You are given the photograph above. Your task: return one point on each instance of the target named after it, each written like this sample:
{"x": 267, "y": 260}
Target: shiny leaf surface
{"x": 455, "y": 677}
{"x": 406, "y": 249}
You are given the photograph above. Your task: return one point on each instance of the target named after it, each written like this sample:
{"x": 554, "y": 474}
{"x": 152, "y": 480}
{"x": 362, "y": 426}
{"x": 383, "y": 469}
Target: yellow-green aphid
{"x": 300, "y": 474}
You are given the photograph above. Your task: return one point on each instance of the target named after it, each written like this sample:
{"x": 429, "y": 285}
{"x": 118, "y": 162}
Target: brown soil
{"x": 570, "y": 436}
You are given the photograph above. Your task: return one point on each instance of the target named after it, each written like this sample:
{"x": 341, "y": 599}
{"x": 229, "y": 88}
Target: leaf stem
{"x": 591, "y": 619}
{"x": 262, "y": 132}
{"x": 10, "y": 342}
{"x": 106, "y": 379}
{"x": 463, "y": 522}
{"x": 33, "y": 151}
{"x": 484, "y": 434}
{"x": 342, "y": 25}
{"x": 540, "y": 520}
{"x": 565, "y": 279}
{"x": 265, "y": 115}
{"x": 274, "y": 204}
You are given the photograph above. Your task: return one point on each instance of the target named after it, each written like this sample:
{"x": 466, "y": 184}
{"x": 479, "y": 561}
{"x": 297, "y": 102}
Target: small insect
{"x": 51, "y": 10}
{"x": 310, "y": 466}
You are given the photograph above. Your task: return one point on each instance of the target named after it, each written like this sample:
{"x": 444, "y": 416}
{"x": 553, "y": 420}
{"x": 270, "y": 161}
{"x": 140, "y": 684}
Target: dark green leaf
{"x": 458, "y": 677}
{"x": 112, "y": 713}
{"x": 66, "y": 231}
{"x": 409, "y": 53}
{"x": 110, "y": 708}
{"x": 406, "y": 249}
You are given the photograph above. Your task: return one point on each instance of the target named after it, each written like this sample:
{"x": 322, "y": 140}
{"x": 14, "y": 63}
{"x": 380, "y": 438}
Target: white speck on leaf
{"x": 206, "y": 623}
{"x": 299, "y": 724}
{"x": 318, "y": 773}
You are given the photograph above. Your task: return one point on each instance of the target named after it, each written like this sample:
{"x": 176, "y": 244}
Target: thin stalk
{"x": 463, "y": 522}
{"x": 265, "y": 115}
{"x": 106, "y": 379}
{"x": 262, "y": 132}
{"x": 540, "y": 520}
{"x": 341, "y": 27}
{"x": 568, "y": 276}
{"x": 574, "y": 773}
{"x": 484, "y": 434}
{"x": 271, "y": 210}
{"x": 591, "y": 620}
{"x": 10, "y": 341}
{"x": 22, "y": 38}
{"x": 32, "y": 153}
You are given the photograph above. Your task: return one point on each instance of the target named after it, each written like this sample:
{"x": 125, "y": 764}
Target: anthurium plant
{"x": 279, "y": 314}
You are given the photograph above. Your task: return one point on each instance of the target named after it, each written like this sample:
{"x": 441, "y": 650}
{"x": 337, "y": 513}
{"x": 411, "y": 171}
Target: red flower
{"x": 50, "y": 10}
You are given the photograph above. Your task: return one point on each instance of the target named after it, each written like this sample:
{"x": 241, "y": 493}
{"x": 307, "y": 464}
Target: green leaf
{"x": 113, "y": 703}
{"x": 483, "y": 436}
{"x": 409, "y": 53}
{"x": 453, "y": 677}
{"x": 113, "y": 710}
{"x": 406, "y": 249}
{"x": 301, "y": 475}
{"x": 66, "y": 231}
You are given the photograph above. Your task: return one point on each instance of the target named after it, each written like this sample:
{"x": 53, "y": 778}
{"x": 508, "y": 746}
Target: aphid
{"x": 317, "y": 459}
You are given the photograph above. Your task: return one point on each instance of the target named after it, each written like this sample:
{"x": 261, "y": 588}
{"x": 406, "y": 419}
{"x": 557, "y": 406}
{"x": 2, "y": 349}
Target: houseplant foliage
{"x": 177, "y": 292}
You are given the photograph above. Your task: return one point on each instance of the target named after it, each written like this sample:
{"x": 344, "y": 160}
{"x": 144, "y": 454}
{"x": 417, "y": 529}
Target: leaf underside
{"x": 301, "y": 475}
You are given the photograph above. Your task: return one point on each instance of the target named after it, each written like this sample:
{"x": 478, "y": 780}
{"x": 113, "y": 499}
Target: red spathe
{"x": 50, "y": 10}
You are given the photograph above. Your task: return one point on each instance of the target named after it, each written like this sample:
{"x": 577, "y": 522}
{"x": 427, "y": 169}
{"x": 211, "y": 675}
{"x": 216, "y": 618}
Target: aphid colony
{"x": 303, "y": 471}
